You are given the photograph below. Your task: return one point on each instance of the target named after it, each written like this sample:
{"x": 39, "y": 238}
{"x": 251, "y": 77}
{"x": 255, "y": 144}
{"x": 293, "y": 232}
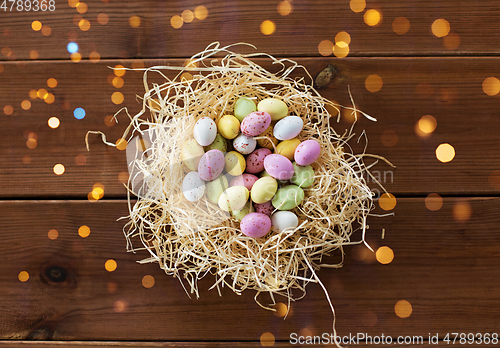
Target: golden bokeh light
{"x": 445, "y": 152}
{"x": 94, "y": 57}
{"x": 137, "y": 64}
{"x": 58, "y": 169}
{"x": 119, "y": 306}
{"x": 200, "y": 12}
{"x": 384, "y": 255}
{"x": 110, "y": 265}
{"x": 148, "y": 281}
{"x": 325, "y": 48}
{"x": 31, "y": 143}
{"x": 46, "y": 30}
{"x": 84, "y": 231}
{"x": 52, "y": 82}
{"x": 73, "y": 3}
{"x": 134, "y": 21}
{"x": 176, "y": 22}
{"x": 123, "y": 177}
{"x": 25, "y": 104}
{"x": 6, "y": 51}
{"x": 374, "y": 83}
{"x": 433, "y": 202}
{"x": 357, "y": 5}
{"x": 118, "y": 82}
{"x": 284, "y": 8}
{"x": 267, "y": 27}
{"x": 26, "y": 159}
{"x": 427, "y": 124}
{"x": 343, "y": 39}
{"x": 349, "y": 115}
{"x": 462, "y": 211}
{"x": 36, "y": 25}
{"x": 494, "y": 179}
{"x": 187, "y": 16}
{"x": 340, "y": 52}
{"x": 491, "y": 86}
{"x": 119, "y": 70}
{"x": 8, "y": 110}
{"x": 80, "y": 159}
{"x": 403, "y": 309}
{"x": 401, "y": 25}
{"x": 440, "y": 27}
{"x": 23, "y": 276}
{"x": 185, "y": 76}
{"x": 109, "y": 120}
{"x": 121, "y": 144}
{"x": 75, "y": 57}
{"x": 30, "y": 135}
{"x": 387, "y": 201}
{"x": 49, "y": 98}
{"x": 117, "y": 98}
{"x": 42, "y": 93}
{"x": 451, "y": 41}
{"x": 34, "y": 54}
{"x": 84, "y": 25}
{"x": 372, "y": 17}
{"x": 281, "y": 309}
{"x": 53, "y": 234}
{"x": 102, "y": 18}
{"x": 81, "y": 7}
{"x": 389, "y": 138}
{"x": 33, "y": 94}
{"x": 267, "y": 339}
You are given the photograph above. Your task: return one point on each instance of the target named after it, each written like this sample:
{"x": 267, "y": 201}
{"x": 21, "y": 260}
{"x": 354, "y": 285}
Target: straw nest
{"x": 191, "y": 240}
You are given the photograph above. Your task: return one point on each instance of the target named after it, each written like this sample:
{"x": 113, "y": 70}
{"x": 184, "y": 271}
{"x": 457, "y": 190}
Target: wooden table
{"x": 55, "y": 290}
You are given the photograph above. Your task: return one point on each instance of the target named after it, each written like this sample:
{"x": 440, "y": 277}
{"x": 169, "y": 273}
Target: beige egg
{"x": 274, "y": 107}
{"x": 264, "y": 189}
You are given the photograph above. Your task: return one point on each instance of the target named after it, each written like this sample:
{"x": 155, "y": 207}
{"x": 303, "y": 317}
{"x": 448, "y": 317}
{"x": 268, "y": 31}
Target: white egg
{"x": 282, "y": 220}
{"x": 193, "y": 187}
{"x": 205, "y": 131}
{"x": 288, "y": 128}
{"x": 244, "y": 144}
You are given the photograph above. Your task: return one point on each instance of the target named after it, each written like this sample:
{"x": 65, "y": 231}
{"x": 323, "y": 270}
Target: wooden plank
{"x": 308, "y": 24}
{"x": 449, "y": 89}
{"x": 444, "y": 267}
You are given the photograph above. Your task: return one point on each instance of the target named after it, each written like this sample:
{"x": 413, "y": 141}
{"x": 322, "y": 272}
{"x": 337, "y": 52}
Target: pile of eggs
{"x": 250, "y": 181}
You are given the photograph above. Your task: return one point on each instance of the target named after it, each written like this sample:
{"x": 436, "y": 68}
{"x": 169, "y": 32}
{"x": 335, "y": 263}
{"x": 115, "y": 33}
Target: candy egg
{"x": 215, "y": 188}
{"x": 246, "y": 180}
{"x": 255, "y": 161}
{"x": 235, "y": 163}
{"x": 287, "y": 148}
{"x": 282, "y": 220}
{"x": 255, "y": 123}
{"x": 243, "y": 107}
{"x": 219, "y": 143}
{"x": 191, "y": 153}
{"x": 288, "y": 197}
{"x": 278, "y": 167}
{"x": 255, "y": 225}
{"x": 263, "y": 190}
{"x": 229, "y": 126}
{"x": 264, "y": 208}
{"x": 269, "y": 139}
{"x": 303, "y": 176}
{"x": 274, "y": 107}
{"x": 240, "y": 214}
{"x": 193, "y": 187}
{"x": 244, "y": 144}
{"x": 211, "y": 165}
{"x": 205, "y": 131}
{"x": 288, "y": 128}
{"x": 233, "y": 198}
{"x": 307, "y": 152}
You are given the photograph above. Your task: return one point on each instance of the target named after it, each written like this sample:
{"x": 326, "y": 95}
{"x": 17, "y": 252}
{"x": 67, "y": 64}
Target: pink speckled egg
{"x": 307, "y": 152}
{"x": 211, "y": 165}
{"x": 279, "y": 167}
{"x": 264, "y": 208}
{"x": 255, "y": 161}
{"x": 246, "y": 180}
{"x": 255, "y": 225}
{"x": 255, "y": 123}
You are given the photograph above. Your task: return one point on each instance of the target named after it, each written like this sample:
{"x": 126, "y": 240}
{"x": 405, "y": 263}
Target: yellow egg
{"x": 235, "y": 163}
{"x": 234, "y": 198}
{"x": 229, "y": 126}
{"x": 266, "y": 142}
{"x": 264, "y": 189}
{"x": 191, "y": 153}
{"x": 287, "y": 148}
{"x": 274, "y": 107}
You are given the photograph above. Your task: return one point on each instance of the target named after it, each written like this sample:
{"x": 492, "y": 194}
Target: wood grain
{"x": 229, "y": 22}
{"x": 446, "y": 268}
{"x": 449, "y": 89}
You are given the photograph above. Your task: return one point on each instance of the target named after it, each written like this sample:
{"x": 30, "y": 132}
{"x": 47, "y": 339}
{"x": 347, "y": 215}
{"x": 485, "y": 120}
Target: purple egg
{"x": 264, "y": 208}
{"x": 307, "y": 152}
{"x": 211, "y": 165}
{"x": 246, "y": 180}
{"x": 255, "y": 123}
{"x": 255, "y": 225}
{"x": 279, "y": 167}
{"x": 255, "y": 161}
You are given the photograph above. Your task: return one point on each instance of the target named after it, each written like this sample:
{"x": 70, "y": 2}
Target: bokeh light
{"x": 427, "y": 124}
{"x": 121, "y": 144}
{"x": 119, "y": 306}
{"x": 110, "y": 265}
{"x": 46, "y": 30}
{"x": 187, "y": 16}
{"x": 94, "y": 57}
{"x": 25, "y": 104}
{"x": 119, "y": 70}
{"x": 176, "y": 22}
{"x": 267, "y": 27}
{"x": 387, "y": 201}
{"x": 34, "y": 54}
{"x": 491, "y": 86}
{"x": 343, "y": 39}
{"x": 451, "y": 41}
{"x": 36, "y": 25}
{"x": 357, "y": 5}
{"x": 81, "y": 7}
{"x": 72, "y": 47}
{"x": 440, "y": 27}
{"x": 7, "y": 52}
{"x": 33, "y": 94}
{"x": 267, "y": 339}
{"x": 433, "y": 202}
{"x": 26, "y": 159}
{"x": 134, "y": 21}
{"x": 401, "y": 25}
{"x": 284, "y": 8}
{"x": 372, "y": 17}
{"x": 123, "y": 177}
{"x": 148, "y": 281}
{"x": 137, "y": 64}
{"x": 340, "y": 51}
{"x": 84, "y": 231}
{"x": 79, "y": 113}
{"x": 49, "y": 98}
{"x": 325, "y": 48}
{"x": 80, "y": 159}
{"x": 8, "y": 110}
{"x": 73, "y": 3}
{"x": 462, "y": 211}
{"x": 75, "y": 57}
{"x": 374, "y": 83}
{"x": 31, "y": 143}
{"x": 403, "y": 309}
{"x": 389, "y": 138}
{"x": 117, "y": 98}
{"x": 23, "y": 276}
{"x": 281, "y": 309}
{"x": 52, "y": 82}
{"x": 59, "y": 169}
{"x": 84, "y": 25}
{"x": 53, "y": 234}
{"x": 118, "y": 82}
{"x": 102, "y": 18}
{"x": 109, "y": 120}
{"x": 200, "y": 12}
{"x": 384, "y": 255}
{"x": 42, "y": 93}
{"x": 445, "y": 152}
